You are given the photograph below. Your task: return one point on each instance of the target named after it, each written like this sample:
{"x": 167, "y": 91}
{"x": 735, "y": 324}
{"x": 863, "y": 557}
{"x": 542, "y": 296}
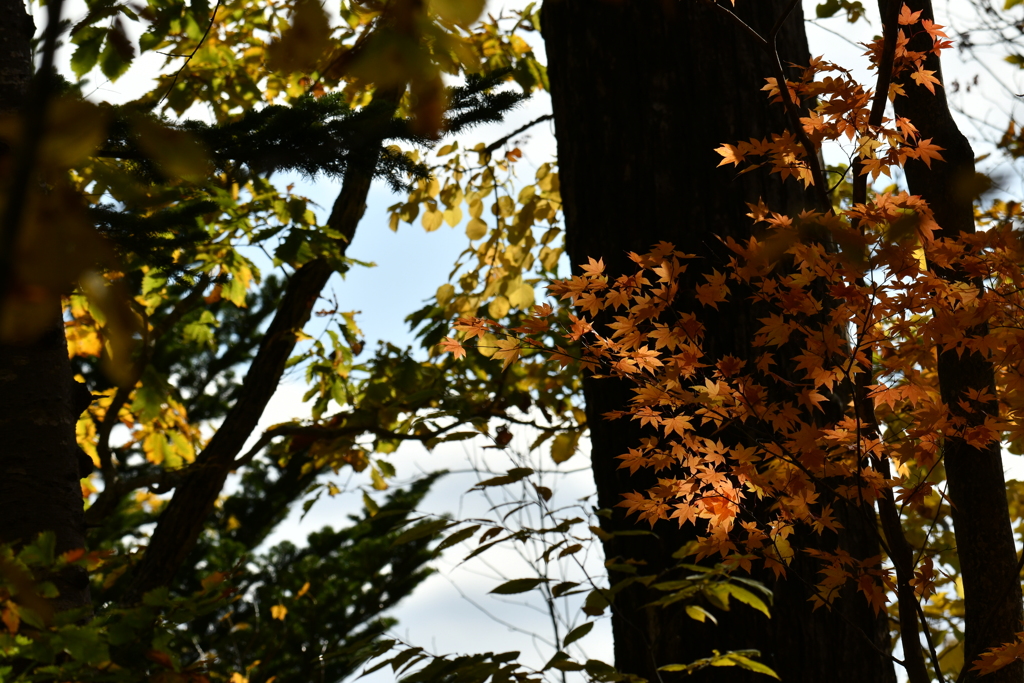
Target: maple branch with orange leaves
{"x": 792, "y": 111}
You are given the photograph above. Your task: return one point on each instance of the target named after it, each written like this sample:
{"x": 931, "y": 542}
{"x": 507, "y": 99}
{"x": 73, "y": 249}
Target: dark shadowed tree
{"x": 643, "y": 93}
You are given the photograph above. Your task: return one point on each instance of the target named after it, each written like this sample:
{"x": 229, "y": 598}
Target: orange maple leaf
{"x": 731, "y": 154}
{"x": 714, "y": 291}
{"x": 593, "y": 268}
{"x": 453, "y": 347}
{"x": 927, "y": 79}
{"x": 508, "y": 351}
{"x": 926, "y": 151}
{"x": 908, "y": 18}
{"x": 1001, "y": 656}
{"x": 933, "y": 29}
{"x": 473, "y": 327}
{"x": 542, "y": 311}
{"x": 680, "y": 424}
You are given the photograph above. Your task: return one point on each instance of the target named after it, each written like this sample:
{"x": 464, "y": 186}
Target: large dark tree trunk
{"x": 39, "y": 459}
{"x": 643, "y": 92}
{"x": 977, "y": 489}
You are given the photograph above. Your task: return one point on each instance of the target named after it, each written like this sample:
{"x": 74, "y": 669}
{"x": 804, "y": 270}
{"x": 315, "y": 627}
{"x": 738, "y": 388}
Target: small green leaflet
{"x": 518, "y": 586}
{"x": 577, "y": 633}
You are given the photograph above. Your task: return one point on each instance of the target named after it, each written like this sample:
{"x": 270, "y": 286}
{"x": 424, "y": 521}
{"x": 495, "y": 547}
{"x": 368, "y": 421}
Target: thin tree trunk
{"x": 181, "y": 522}
{"x": 977, "y": 489}
{"x": 39, "y": 465}
{"x": 643, "y": 92}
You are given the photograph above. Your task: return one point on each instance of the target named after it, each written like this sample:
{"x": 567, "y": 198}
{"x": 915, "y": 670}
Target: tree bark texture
{"x": 39, "y": 457}
{"x": 977, "y": 488}
{"x": 643, "y": 92}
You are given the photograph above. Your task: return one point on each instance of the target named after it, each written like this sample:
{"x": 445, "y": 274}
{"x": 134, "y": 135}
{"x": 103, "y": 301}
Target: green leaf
{"x": 85, "y": 644}
{"x": 371, "y": 505}
{"x": 602, "y": 671}
{"x": 577, "y": 633}
{"x": 458, "y": 436}
{"x": 518, "y": 586}
{"x": 40, "y": 553}
{"x": 458, "y": 537}
{"x": 560, "y": 589}
{"x": 827, "y": 9}
{"x": 422, "y": 530}
{"x": 112, "y": 61}
{"x": 718, "y": 595}
{"x": 515, "y": 474}
{"x": 89, "y": 41}
{"x": 595, "y": 604}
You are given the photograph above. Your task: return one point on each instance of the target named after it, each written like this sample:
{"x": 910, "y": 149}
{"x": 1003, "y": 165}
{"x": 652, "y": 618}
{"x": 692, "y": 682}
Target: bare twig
{"x": 501, "y": 141}
{"x": 188, "y": 59}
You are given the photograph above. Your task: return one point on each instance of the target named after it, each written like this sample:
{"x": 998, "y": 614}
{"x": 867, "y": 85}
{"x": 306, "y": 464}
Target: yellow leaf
{"x": 507, "y": 351}
{"x": 11, "y": 620}
{"x": 445, "y": 293}
{"x": 214, "y": 579}
{"x": 476, "y": 229}
{"x": 463, "y": 12}
{"x": 564, "y": 446}
{"x": 278, "y": 612}
{"x": 499, "y": 307}
{"x": 432, "y": 219}
{"x": 303, "y": 590}
{"x": 487, "y": 345}
{"x": 75, "y": 128}
{"x": 453, "y": 216}
{"x": 522, "y": 296}
{"x": 504, "y": 207}
{"x": 303, "y": 43}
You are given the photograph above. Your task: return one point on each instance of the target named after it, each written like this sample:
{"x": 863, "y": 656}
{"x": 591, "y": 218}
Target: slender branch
{"x": 501, "y": 141}
{"x": 183, "y": 306}
{"x": 860, "y": 180}
{"x": 758, "y": 38}
{"x": 182, "y": 520}
{"x": 188, "y": 59}
{"x": 109, "y": 421}
{"x": 792, "y": 111}
{"x": 936, "y": 666}
{"x": 781, "y": 20}
{"x": 335, "y": 432}
{"x": 810, "y": 150}
{"x": 900, "y": 552}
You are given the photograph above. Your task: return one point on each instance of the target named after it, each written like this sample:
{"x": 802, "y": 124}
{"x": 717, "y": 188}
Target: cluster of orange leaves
{"x": 732, "y": 436}
{"x": 750, "y": 449}
{"x": 840, "y": 107}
